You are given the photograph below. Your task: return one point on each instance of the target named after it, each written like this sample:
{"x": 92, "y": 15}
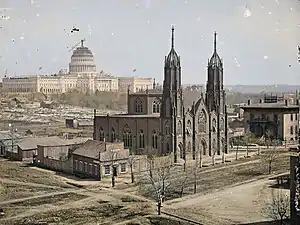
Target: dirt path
{"x": 194, "y": 199}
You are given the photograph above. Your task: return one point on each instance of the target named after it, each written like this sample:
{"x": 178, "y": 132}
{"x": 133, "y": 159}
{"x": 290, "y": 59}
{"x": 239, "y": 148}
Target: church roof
{"x": 172, "y": 59}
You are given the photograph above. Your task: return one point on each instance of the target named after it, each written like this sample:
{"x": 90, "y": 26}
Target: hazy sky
{"x": 257, "y": 47}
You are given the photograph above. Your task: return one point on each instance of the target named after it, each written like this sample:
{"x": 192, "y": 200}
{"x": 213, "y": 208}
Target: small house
{"x": 96, "y": 159}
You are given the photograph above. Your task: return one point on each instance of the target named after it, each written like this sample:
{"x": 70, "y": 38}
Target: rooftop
{"x": 92, "y": 148}
{"x": 270, "y": 106}
{"x": 33, "y": 142}
{"x": 133, "y": 116}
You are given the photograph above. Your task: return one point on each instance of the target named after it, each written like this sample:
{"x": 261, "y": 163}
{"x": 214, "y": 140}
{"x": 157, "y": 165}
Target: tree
{"x": 269, "y": 157}
{"x": 112, "y": 155}
{"x": 181, "y": 182}
{"x": 131, "y": 161}
{"x": 278, "y": 207}
{"x": 159, "y": 176}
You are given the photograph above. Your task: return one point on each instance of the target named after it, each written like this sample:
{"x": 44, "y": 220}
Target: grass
{"x": 22, "y": 173}
{"x": 210, "y": 178}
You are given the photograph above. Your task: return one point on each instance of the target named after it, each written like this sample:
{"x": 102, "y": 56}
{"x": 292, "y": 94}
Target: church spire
{"x": 215, "y": 42}
{"x": 172, "y": 40}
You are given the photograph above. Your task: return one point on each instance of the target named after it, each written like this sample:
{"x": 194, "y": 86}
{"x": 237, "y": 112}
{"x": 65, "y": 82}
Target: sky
{"x": 257, "y": 39}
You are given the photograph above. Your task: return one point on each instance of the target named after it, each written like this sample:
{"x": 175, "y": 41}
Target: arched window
{"x": 179, "y": 128}
{"x": 154, "y": 140}
{"x": 156, "y": 106}
{"x": 202, "y": 122}
{"x": 138, "y": 106}
{"x": 189, "y": 124}
{"x": 141, "y": 139}
{"x": 222, "y": 124}
{"x": 113, "y": 135}
{"x": 127, "y": 137}
{"x": 214, "y": 125}
{"x": 101, "y": 134}
{"x": 167, "y": 129}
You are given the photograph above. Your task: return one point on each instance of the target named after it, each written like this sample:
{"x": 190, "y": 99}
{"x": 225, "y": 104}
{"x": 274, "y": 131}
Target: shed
{"x": 27, "y": 148}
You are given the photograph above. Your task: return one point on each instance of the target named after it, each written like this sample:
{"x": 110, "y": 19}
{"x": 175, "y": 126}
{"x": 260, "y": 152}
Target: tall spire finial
{"x": 82, "y": 43}
{"x": 172, "y": 36}
{"x": 215, "y": 42}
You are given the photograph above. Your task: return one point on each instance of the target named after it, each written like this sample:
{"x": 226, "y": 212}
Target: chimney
{"x": 249, "y": 102}
{"x": 154, "y": 84}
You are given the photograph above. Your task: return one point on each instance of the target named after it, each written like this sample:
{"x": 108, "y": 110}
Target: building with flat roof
{"x": 273, "y": 119}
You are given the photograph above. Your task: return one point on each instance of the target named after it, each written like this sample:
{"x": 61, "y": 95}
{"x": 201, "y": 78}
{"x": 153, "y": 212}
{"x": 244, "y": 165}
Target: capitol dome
{"x": 82, "y": 60}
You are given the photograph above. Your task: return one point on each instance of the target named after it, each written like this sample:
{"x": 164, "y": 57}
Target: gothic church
{"x": 158, "y": 123}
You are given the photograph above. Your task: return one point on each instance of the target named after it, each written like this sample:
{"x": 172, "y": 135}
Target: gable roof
{"x": 33, "y": 142}
{"x": 90, "y": 149}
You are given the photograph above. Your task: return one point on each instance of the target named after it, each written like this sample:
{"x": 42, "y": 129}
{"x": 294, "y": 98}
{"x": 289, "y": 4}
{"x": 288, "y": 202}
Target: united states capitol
{"x": 82, "y": 76}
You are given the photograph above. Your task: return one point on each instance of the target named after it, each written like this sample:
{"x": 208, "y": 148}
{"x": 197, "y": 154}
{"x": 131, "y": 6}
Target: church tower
{"x": 215, "y": 93}
{"x": 172, "y": 100}
{"x": 215, "y": 104}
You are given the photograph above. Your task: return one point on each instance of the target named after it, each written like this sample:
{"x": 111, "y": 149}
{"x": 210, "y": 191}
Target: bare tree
{"x": 181, "y": 182}
{"x": 131, "y": 161}
{"x": 269, "y": 157}
{"x": 112, "y": 156}
{"x": 159, "y": 176}
{"x": 278, "y": 207}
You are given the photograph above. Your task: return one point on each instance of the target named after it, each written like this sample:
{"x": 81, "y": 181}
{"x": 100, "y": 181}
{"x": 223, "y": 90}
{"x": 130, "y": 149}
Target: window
{"x": 127, "y": 137}
{"x": 138, "y": 106}
{"x": 292, "y": 118}
{"x": 154, "y": 140}
{"x": 222, "y": 124}
{"x": 292, "y": 130}
{"x": 91, "y": 169}
{"x": 179, "y": 128}
{"x": 189, "y": 124}
{"x": 141, "y": 139}
{"x": 96, "y": 170}
{"x": 85, "y": 167}
{"x": 101, "y": 134}
{"x": 214, "y": 124}
{"x": 107, "y": 170}
{"x": 123, "y": 167}
{"x": 76, "y": 164}
{"x": 81, "y": 166}
{"x": 156, "y": 106}
{"x": 202, "y": 122}
{"x": 113, "y": 135}
{"x": 168, "y": 129}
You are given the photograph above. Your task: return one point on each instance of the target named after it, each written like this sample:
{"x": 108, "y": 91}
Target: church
{"x": 158, "y": 123}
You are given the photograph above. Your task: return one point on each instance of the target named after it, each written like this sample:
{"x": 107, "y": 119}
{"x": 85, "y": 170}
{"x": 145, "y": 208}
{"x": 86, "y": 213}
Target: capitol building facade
{"x": 82, "y": 76}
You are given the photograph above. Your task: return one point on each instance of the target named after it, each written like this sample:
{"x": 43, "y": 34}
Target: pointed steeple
{"x": 215, "y": 42}
{"x": 172, "y": 40}
{"x": 172, "y": 59}
{"x": 215, "y": 59}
